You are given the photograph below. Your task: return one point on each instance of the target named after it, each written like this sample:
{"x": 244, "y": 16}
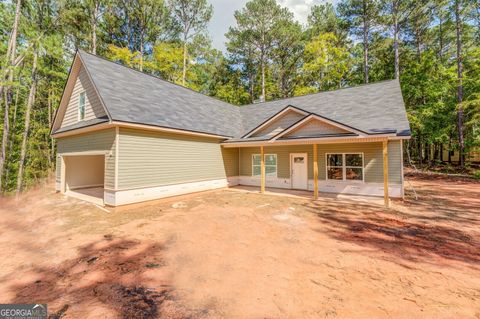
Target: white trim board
{"x": 124, "y": 197}
{"x": 337, "y": 187}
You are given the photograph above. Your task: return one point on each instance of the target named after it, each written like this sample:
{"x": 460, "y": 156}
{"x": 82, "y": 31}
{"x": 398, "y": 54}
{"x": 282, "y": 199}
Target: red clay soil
{"x": 232, "y": 254}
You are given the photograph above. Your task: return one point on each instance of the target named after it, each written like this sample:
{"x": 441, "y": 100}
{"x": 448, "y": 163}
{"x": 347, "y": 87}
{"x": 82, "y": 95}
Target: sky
{"x": 224, "y": 9}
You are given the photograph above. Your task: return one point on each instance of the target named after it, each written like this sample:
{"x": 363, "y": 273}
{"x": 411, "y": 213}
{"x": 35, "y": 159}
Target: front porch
{"x": 307, "y": 194}
{"x": 363, "y": 168}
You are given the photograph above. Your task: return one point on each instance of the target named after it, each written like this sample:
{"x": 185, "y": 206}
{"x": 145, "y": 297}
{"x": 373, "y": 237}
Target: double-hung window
{"x": 270, "y": 165}
{"x": 81, "y": 106}
{"x": 345, "y": 166}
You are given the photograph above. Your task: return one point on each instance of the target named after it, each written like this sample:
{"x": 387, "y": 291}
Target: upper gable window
{"x": 81, "y": 106}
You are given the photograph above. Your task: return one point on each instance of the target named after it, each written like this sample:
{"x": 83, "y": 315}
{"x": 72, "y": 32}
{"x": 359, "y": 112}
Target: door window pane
{"x": 298, "y": 160}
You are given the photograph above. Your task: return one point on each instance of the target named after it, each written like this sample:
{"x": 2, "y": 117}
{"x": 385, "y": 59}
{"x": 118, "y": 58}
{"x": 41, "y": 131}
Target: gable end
{"x": 315, "y": 127}
{"x": 67, "y": 115}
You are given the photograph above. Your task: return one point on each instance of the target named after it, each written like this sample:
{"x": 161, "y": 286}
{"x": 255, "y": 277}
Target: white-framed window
{"x": 270, "y": 165}
{"x": 81, "y": 106}
{"x": 345, "y": 166}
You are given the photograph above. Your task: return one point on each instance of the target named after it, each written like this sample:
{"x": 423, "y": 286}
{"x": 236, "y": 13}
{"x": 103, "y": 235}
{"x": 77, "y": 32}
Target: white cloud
{"x": 224, "y": 9}
{"x": 300, "y": 9}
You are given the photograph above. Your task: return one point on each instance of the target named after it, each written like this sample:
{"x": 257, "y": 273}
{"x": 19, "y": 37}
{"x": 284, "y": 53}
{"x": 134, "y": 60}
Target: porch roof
{"x": 316, "y": 139}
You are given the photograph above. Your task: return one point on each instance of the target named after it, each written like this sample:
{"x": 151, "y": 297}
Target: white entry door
{"x": 299, "y": 170}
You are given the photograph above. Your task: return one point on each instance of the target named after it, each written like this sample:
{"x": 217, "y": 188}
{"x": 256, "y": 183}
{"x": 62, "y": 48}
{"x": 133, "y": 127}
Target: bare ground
{"x": 231, "y": 254}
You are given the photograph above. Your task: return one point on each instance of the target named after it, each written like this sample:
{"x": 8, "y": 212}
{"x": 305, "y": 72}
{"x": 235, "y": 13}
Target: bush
{"x": 476, "y": 174}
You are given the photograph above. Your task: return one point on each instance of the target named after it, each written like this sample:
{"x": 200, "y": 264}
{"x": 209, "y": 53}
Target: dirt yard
{"x": 232, "y": 254}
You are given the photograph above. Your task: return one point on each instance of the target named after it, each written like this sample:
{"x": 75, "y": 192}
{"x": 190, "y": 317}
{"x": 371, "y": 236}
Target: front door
{"x": 299, "y": 170}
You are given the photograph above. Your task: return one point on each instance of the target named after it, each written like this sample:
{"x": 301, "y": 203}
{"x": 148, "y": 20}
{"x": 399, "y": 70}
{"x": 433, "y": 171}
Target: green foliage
{"x": 326, "y": 64}
{"x": 263, "y": 30}
{"x": 167, "y": 60}
{"x": 476, "y": 174}
{"x": 124, "y": 56}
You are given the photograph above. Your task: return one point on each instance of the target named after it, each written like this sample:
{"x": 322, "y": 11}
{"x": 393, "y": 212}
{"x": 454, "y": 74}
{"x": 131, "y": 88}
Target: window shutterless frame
{"x": 270, "y": 165}
{"x": 344, "y": 167}
{"x": 81, "y": 105}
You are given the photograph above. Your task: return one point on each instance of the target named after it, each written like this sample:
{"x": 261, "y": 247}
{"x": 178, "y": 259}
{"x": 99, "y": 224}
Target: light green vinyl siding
{"x": 283, "y": 158}
{"x": 58, "y": 170}
{"x": 230, "y": 161}
{"x": 373, "y": 159}
{"x": 91, "y": 142}
{"x": 315, "y": 127}
{"x": 280, "y": 124}
{"x": 93, "y": 106}
{"x": 147, "y": 159}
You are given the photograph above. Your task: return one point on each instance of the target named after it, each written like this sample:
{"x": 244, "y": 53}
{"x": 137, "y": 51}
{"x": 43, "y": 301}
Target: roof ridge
{"x": 322, "y": 92}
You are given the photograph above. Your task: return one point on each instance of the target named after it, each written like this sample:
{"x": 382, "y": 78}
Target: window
{"x": 345, "y": 166}
{"x": 270, "y": 165}
{"x": 81, "y": 106}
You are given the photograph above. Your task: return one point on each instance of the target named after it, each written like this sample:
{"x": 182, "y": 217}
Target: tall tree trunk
{"x": 365, "y": 42}
{"x": 450, "y": 149}
{"x": 11, "y": 140}
{"x": 11, "y": 52}
{"x": 440, "y": 37}
{"x": 12, "y": 43}
{"x": 458, "y": 26}
{"x": 395, "y": 39}
{"x": 420, "y": 152}
{"x": 251, "y": 85}
{"x": 28, "y": 110}
{"x": 94, "y": 27}
{"x": 50, "y": 139}
{"x": 262, "y": 98}
{"x": 184, "y": 71}
{"x": 141, "y": 51}
{"x": 418, "y": 40}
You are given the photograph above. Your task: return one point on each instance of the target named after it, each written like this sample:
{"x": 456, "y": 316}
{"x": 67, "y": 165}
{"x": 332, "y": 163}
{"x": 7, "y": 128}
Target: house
{"x": 126, "y": 137}
{"x": 473, "y": 156}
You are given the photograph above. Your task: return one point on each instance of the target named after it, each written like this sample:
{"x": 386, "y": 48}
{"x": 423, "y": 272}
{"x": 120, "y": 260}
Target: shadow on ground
{"x": 109, "y": 273}
{"x": 421, "y": 237}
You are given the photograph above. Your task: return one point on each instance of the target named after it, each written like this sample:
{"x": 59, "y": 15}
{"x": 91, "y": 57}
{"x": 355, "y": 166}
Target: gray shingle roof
{"x": 371, "y": 108}
{"x": 81, "y": 124}
{"x": 132, "y": 96}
